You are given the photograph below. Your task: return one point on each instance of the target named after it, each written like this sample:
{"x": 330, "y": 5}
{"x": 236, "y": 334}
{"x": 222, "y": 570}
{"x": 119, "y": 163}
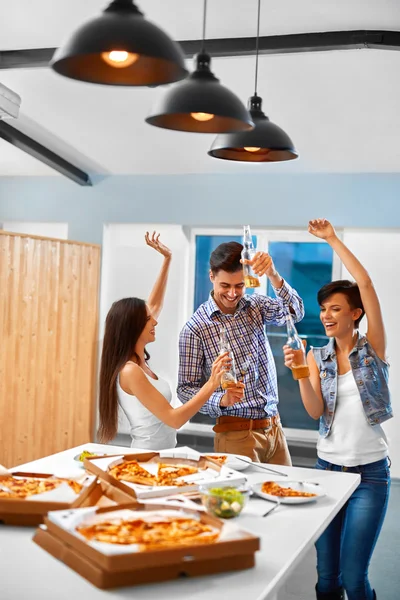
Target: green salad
{"x": 224, "y": 502}
{"x": 85, "y": 454}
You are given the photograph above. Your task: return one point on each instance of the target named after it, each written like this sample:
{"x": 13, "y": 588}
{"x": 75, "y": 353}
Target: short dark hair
{"x": 226, "y": 257}
{"x": 347, "y": 288}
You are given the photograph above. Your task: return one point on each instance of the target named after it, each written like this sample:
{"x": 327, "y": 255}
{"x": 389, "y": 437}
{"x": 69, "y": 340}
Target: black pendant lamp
{"x": 200, "y": 104}
{"x": 265, "y": 143}
{"x": 120, "y": 48}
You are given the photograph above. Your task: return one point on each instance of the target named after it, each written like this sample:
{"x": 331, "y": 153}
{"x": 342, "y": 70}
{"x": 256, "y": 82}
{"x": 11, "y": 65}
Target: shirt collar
{"x": 330, "y": 350}
{"x": 213, "y": 308}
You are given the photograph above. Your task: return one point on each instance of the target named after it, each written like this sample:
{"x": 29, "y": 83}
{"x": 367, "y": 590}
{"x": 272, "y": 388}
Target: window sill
{"x": 299, "y": 436}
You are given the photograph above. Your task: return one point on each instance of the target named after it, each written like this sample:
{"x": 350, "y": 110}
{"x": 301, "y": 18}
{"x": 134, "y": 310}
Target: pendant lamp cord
{"x": 257, "y": 45}
{"x": 204, "y": 25}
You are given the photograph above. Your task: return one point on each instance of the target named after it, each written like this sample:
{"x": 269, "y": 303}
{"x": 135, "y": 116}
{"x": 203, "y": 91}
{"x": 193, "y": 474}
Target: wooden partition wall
{"x": 48, "y": 345}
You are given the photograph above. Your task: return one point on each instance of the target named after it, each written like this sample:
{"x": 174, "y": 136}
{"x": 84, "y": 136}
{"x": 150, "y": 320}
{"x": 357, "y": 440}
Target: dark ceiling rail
{"x": 274, "y": 44}
{"x": 25, "y": 143}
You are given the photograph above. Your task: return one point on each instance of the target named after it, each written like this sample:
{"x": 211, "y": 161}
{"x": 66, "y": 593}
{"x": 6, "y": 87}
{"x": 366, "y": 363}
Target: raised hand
{"x": 154, "y": 242}
{"x": 322, "y": 229}
{"x": 262, "y": 264}
{"x": 219, "y": 366}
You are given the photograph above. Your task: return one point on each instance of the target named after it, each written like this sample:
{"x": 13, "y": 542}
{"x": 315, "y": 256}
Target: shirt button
{"x": 360, "y": 382}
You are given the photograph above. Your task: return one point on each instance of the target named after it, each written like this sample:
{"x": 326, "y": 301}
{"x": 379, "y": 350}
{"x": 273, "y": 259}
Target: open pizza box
{"x": 58, "y": 493}
{"x": 205, "y": 472}
{"x": 109, "y": 561}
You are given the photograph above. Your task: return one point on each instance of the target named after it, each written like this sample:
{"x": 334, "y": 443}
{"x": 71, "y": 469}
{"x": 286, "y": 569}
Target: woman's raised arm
{"x": 157, "y": 294}
{"x": 323, "y": 229}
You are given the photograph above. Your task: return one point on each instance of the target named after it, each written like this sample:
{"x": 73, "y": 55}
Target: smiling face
{"x": 337, "y": 316}
{"x": 228, "y": 289}
{"x": 148, "y": 334}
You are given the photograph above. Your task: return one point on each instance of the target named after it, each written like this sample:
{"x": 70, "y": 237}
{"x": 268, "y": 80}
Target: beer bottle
{"x": 250, "y": 278}
{"x": 299, "y": 366}
{"x": 228, "y": 378}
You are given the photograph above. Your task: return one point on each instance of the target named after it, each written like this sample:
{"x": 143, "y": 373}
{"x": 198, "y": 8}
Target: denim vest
{"x": 371, "y": 375}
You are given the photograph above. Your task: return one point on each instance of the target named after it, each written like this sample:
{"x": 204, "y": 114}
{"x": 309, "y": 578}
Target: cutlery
{"x": 277, "y": 503}
{"x": 261, "y": 466}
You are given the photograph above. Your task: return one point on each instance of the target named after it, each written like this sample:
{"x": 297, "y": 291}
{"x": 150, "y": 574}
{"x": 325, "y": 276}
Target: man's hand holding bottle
{"x": 233, "y": 395}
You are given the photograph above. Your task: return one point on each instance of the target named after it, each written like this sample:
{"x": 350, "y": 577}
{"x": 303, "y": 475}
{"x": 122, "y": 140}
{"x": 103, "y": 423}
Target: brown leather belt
{"x": 239, "y": 423}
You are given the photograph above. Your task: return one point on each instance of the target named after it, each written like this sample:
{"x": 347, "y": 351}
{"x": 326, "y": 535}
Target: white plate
{"x": 295, "y": 485}
{"x": 233, "y": 461}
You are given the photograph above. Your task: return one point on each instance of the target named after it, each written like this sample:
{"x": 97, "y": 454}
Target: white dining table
{"x": 287, "y": 534}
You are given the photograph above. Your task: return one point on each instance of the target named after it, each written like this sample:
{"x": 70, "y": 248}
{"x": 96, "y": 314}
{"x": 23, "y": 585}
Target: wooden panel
{"x": 48, "y": 345}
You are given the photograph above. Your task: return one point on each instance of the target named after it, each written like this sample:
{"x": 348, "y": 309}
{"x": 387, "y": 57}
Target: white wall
{"x": 52, "y": 230}
{"x": 130, "y": 268}
{"x": 379, "y": 252}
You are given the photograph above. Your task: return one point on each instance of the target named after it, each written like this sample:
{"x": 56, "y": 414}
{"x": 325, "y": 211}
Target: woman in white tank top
{"x": 126, "y": 379}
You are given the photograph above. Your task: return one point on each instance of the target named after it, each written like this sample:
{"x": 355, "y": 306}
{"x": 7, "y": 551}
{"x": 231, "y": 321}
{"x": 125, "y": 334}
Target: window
{"x": 306, "y": 265}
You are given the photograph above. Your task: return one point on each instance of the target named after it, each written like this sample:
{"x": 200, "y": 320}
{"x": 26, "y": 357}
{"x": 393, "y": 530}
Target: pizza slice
{"x": 22, "y": 487}
{"x": 274, "y": 489}
{"x": 133, "y": 472}
{"x": 220, "y": 459}
{"x": 173, "y": 474}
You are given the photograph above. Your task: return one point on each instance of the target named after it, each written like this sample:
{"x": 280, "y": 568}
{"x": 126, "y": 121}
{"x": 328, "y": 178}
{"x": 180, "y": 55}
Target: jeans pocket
{"x": 379, "y": 476}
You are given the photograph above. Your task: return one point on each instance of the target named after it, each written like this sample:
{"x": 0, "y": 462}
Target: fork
{"x": 261, "y": 466}
{"x": 277, "y": 503}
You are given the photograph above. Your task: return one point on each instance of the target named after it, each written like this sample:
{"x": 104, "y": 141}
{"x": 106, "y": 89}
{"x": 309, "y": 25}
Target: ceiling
{"x": 340, "y": 107}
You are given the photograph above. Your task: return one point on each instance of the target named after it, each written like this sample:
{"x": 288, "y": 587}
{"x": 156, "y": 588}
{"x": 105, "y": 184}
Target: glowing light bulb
{"x": 202, "y": 116}
{"x": 119, "y": 58}
{"x": 251, "y": 149}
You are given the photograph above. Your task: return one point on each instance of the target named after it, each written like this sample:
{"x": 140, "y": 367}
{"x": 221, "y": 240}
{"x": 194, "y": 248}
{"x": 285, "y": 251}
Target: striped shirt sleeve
{"x": 190, "y": 375}
{"x": 274, "y": 310}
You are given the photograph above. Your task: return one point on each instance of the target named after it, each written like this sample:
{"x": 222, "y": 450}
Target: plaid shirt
{"x": 199, "y": 347}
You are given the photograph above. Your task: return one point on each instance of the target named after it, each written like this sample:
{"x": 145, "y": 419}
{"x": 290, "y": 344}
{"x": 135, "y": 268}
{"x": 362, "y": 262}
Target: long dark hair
{"x": 125, "y": 322}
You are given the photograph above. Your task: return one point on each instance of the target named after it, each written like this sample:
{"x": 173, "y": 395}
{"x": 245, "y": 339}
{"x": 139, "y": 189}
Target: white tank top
{"x": 147, "y": 432}
{"x": 352, "y": 440}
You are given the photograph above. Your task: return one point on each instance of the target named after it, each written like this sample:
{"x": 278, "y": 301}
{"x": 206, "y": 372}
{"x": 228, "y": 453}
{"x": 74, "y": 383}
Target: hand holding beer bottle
{"x": 294, "y": 351}
{"x": 248, "y": 253}
{"x": 234, "y": 389}
{"x": 228, "y": 378}
{"x": 256, "y": 263}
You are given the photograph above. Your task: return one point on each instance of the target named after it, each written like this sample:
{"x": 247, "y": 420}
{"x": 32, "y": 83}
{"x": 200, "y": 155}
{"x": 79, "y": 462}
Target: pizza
{"x": 272, "y": 488}
{"x": 170, "y": 474}
{"x": 150, "y": 535}
{"x": 133, "y": 472}
{"x": 220, "y": 458}
{"x": 22, "y": 487}
{"x": 167, "y": 474}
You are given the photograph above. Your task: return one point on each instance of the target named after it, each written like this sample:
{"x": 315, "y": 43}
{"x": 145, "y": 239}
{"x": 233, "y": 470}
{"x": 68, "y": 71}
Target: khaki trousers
{"x": 261, "y": 445}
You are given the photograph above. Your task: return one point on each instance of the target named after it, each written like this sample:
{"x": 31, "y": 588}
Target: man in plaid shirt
{"x": 247, "y": 417}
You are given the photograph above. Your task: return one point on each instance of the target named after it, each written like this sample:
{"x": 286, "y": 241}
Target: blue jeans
{"x": 345, "y": 548}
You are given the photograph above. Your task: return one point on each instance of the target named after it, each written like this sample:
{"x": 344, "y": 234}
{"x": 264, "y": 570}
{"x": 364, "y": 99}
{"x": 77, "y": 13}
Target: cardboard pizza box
{"x": 57, "y": 536}
{"x": 210, "y": 473}
{"x": 28, "y": 512}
